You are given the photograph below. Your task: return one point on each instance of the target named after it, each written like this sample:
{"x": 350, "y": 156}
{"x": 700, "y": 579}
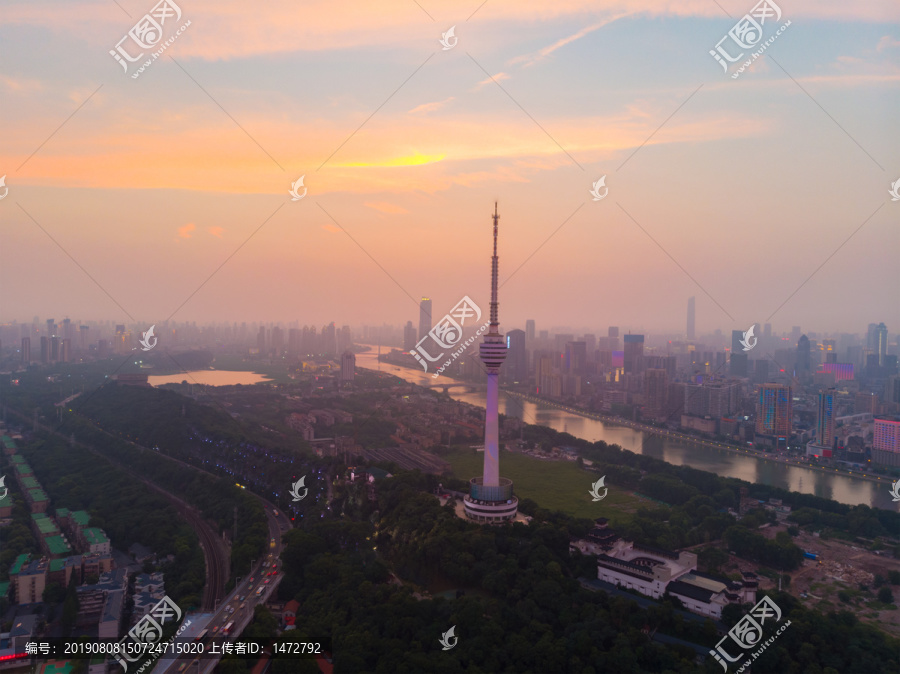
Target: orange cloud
{"x": 215, "y": 231}
{"x": 185, "y": 230}
{"x": 430, "y": 107}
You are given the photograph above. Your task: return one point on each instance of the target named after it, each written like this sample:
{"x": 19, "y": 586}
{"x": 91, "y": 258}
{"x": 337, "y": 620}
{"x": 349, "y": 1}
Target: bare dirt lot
{"x": 844, "y": 567}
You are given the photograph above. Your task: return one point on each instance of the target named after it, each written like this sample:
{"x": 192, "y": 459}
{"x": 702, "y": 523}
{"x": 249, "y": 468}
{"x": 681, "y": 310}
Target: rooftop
{"x": 45, "y": 525}
{"x": 37, "y": 495}
{"x": 29, "y": 482}
{"x": 81, "y": 517}
{"x": 21, "y": 560}
{"x": 95, "y": 536}
{"x": 57, "y": 545}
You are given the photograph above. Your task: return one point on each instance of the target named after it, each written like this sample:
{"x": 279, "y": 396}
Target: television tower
{"x": 491, "y": 497}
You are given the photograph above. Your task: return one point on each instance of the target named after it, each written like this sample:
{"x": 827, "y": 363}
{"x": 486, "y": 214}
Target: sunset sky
{"x": 127, "y": 195}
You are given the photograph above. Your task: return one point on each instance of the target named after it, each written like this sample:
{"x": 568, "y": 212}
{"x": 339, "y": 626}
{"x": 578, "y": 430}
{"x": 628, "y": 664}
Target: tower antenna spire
{"x": 495, "y": 320}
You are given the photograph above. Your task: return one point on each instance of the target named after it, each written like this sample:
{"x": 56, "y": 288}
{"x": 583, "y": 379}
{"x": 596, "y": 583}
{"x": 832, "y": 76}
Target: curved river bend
{"x": 841, "y": 488}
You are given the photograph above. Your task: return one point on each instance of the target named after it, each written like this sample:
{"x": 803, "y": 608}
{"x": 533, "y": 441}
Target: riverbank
{"x": 735, "y": 449}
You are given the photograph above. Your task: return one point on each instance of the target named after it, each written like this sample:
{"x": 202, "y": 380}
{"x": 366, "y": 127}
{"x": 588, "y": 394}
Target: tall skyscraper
{"x": 690, "y": 318}
{"x": 424, "y": 317}
{"x": 774, "y": 413}
{"x": 516, "y": 370}
{"x": 575, "y": 357}
{"x": 804, "y": 362}
{"x": 879, "y": 342}
{"x": 277, "y": 341}
{"x": 825, "y": 435}
{"x": 348, "y": 366}
{"x": 491, "y": 497}
{"x": 26, "y": 350}
{"x": 634, "y": 351}
{"x": 409, "y": 336}
{"x": 529, "y": 329}
{"x": 655, "y": 389}
{"x": 261, "y": 340}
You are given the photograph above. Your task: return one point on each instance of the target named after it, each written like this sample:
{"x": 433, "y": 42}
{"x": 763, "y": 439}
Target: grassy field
{"x": 554, "y": 485}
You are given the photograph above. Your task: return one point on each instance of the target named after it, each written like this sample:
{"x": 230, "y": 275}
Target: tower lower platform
{"x": 491, "y": 503}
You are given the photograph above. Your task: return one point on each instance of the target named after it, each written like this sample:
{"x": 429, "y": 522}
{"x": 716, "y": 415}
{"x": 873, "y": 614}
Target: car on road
{"x": 242, "y": 598}
{"x": 243, "y": 606}
{"x": 266, "y": 581}
{"x": 215, "y": 629}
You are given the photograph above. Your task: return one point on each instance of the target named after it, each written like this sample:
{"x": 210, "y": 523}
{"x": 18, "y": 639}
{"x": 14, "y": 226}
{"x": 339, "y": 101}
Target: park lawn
{"x": 553, "y": 485}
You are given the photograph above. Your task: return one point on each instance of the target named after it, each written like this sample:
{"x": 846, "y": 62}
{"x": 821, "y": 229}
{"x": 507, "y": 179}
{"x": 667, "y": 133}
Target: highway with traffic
{"x": 234, "y": 613}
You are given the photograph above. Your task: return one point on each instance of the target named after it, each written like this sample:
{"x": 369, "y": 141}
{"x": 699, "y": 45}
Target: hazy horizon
{"x": 167, "y": 196}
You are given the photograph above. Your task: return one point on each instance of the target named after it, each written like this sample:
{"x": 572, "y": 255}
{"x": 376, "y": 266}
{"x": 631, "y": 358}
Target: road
{"x": 238, "y": 606}
{"x": 215, "y": 555}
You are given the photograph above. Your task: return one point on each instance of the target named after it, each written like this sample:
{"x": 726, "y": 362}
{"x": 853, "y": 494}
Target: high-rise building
{"x": 690, "y": 318}
{"x": 655, "y": 389}
{"x": 825, "y": 421}
{"x": 65, "y": 351}
{"x": 277, "y": 341}
{"x": 774, "y": 413}
{"x": 294, "y": 341}
{"x": 490, "y": 497}
{"x": 516, "y": 370}
{"x": 83, "y": 336}
{"x": 348, "y": 366}
{"x": 424, "y": 317}
{"x": 329, "y": 337}
{"x": 54, "y": 349}
{"x": 879, "y": 342}
{"x": 409, "y": 336}
{"x": 26, "y": 350}
{"x": 543, "y": 373}
{"x": 529, "y": 329}
{"x": 590, "y": 345}
{"x": 886, "y": 442}
{"x": 575, "y": 357}
{"x": 45, "y": 349}
{"x": 261, "y": 339}
{"x": 804, "y": 361}
{"x": 891, "y": 388}
{"x": 634, "y": 350}
{"x": 51, "y": 328}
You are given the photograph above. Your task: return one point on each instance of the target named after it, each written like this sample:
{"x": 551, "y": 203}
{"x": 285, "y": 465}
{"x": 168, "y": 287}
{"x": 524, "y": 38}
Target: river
{"x": 839, "y": 487}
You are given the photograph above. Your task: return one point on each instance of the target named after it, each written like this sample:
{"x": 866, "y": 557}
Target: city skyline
{"x": 156, "y": 198}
